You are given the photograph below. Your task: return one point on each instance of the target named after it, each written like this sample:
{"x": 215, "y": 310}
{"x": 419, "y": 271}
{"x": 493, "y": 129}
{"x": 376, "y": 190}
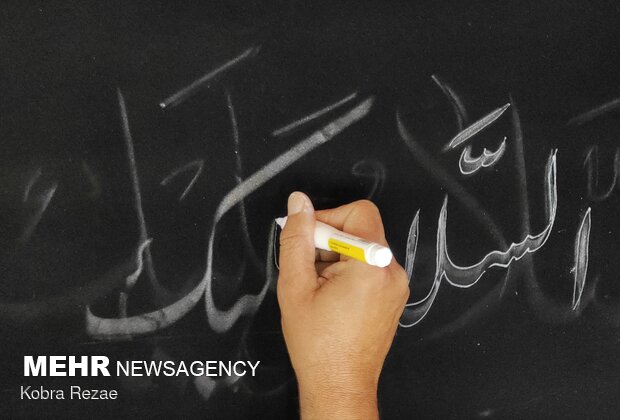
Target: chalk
{"x": 329, "y": 238}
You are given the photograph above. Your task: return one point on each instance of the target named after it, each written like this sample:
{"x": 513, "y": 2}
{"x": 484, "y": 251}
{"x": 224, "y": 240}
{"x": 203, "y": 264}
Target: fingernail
{"x": 298, "y": 202}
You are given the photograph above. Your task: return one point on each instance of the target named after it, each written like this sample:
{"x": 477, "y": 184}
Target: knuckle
{"x": 401, "y": 283}
{"x": 367, "y": 206}
{"x": 368, "y": 210}
{"x": 380, "y": 278}
{"x": 383, "y": 274}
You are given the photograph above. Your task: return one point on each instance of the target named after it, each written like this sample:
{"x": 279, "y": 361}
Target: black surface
{"x": 515, "y": 355}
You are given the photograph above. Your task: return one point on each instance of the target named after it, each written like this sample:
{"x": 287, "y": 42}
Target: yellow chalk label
{"x": 346, "y": 249}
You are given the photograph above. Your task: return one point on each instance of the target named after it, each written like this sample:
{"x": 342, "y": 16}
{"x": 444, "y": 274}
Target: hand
{"x": 339, "y": 315}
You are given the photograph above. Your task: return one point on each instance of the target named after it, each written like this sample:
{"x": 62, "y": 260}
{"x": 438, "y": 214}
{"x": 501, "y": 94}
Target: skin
{"x": 339, "y": 315}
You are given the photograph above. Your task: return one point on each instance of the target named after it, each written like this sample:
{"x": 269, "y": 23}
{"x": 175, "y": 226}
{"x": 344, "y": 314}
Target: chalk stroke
{"x": 223, "y": 320}
{"x": 473, "y": 312}
{"x": 271, "y": 275}
{"x": 469, "y": 165}
{"x": 196, "y": 165}
{"x": 599, "y": 111}
{"x": 592, "y": 169}
{"x": 131, "y": 280}
{"x": 137, "y": 195}
{"x": 160, "y": 355}
{"x": 31, "y": 181}
{"x": 32, "y": 224}
{"x": 290, "y": 128}
{"x": 476, "y": 127}
{"x": 235, "y": 134}
{"x": 370, "y": 168}
{"x": 235, "y": 382}
{"x": 447, "y": 181}
{"x": 545, "y": 308}
{"x": 415, "y": 312}
{"x": 468, "y": 276}
{"x": 283, "y": 161}
{"x": 521, "y": 180}
{"x": 205, "y": 386}
{"x": 463, "y": 277}
{"x": 521, "y": 186}
{"x": 123, "y": 298}
{"x": 95, "y": 190}
{"x": 42, "y": 202}
{"x": 71, "y": 302}
{"x": 582, "y": 249}
{"x": 455, "y": 101}
{"x": 238, "y": 175}
{"x": 192, "y": 88}
{"x": 412, "y": 244}
{"x": 487, "y": 301}
{"x": 121, "y": 328}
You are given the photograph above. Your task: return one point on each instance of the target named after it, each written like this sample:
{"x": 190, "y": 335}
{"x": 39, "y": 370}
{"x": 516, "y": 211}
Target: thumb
{"x": 297, "y": 271}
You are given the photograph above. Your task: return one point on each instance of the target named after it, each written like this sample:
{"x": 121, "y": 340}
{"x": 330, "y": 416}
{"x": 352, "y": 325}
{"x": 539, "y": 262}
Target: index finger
{"x": 360, "y": 218}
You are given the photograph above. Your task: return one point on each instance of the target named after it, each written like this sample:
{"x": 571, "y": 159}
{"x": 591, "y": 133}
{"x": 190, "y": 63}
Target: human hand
{"x": 339, "y": 315}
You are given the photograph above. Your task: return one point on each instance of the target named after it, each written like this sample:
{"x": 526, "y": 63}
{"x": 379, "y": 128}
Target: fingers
{"x": 301, "y": 265}
{"x": 297, "y": 253}
{"x": 321, "y": 267}
{"x": 326, "y": 256}
{"x": 355, "y": 271}
{"x": 360, "y": 218}
{"x": 391, "y": 280}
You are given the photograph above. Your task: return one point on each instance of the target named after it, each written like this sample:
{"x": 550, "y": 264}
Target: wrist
{"x": 343, "y": 399}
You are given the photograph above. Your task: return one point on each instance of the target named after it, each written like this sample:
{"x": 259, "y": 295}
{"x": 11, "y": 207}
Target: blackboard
{"x": 146, "y": 148}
